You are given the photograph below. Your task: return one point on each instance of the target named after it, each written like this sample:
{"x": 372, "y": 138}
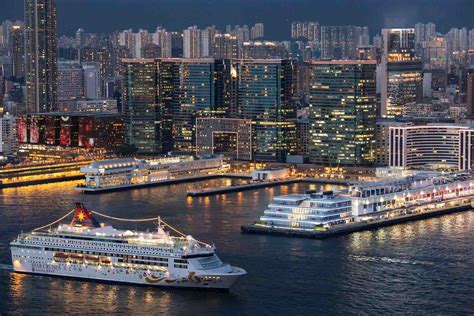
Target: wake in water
{"x": 388, "y": 260}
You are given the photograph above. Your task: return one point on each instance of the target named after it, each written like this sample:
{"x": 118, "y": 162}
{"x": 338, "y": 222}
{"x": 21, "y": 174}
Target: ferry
{"x": 86, "y": 249}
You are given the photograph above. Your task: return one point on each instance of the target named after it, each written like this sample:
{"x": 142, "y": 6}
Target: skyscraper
{"x": 266, "y": 92}
{"x": 342, "y": 112}
{"x": 263, "y": 50}
{"x": 470, "y": 93}
{"x": 401, "y": 72}
{"x": 40, "y": 55}
{"x": 140, "y": 99}
{"x": 307, "y": 30}
{"x": 192, "y": 42}
{"x": 70, "y": 85}
{"x": 17, "y": 49}
{"x": 340, "y": 42}
{"x": 257, "y": 31}
{"x": 225, "y": 46}
{"x": 8, "y": 135}
{"x": 194, "y": 95}
{"x": 423, "y": 32}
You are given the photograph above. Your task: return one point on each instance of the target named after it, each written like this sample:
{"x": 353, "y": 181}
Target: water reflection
{"x": 392, "y": 265}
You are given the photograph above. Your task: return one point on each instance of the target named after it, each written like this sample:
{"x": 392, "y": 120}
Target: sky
{"x": 277, "y": 15}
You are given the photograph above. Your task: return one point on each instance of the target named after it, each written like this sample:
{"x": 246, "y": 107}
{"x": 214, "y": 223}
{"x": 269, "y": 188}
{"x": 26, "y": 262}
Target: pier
{"x": 183, "y": 179}
{"x": 41, "y": 174}
{"x": 338, "y": 230}
{"x": 258, "y": 185}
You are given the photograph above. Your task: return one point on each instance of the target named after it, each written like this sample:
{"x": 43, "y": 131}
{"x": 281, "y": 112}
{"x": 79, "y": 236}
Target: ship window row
{"x": 384, "y": 203}
{"x": 210, "y": 263}
{"x": 181, "y": 266}
{"x": 93, "y": 239}
{"x": 313, "y": 212}
{"x": 330, "y": 205}
{"x": 103, "y": 246}
{"x": 159, "y": 264}
{"x": 106, "y": 254}
{"x": 27, "y": 247}
{"x": 372, "y": 192}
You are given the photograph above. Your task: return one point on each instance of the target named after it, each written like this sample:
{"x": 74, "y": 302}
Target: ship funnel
{"x": 83, "y": 218}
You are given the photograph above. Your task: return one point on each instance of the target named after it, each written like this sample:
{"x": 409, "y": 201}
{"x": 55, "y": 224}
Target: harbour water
{"x": 417, "y": 267}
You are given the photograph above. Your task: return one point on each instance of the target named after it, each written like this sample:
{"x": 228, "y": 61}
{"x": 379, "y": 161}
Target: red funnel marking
{"x": 84, "y": 218}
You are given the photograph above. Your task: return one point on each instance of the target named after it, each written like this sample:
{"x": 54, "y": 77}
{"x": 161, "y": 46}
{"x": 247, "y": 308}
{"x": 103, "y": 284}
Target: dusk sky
{"x": 110, "y": 15}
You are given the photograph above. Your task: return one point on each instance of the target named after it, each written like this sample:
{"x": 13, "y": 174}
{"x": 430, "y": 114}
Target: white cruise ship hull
{"x": 220, "y": 278}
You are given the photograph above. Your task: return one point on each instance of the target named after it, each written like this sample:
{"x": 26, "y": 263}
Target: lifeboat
{"x": 105, "y": 261}
{"x": 75, "y": 256}
{"x": 60, "y": 255}
{"x": 92, "y": 259}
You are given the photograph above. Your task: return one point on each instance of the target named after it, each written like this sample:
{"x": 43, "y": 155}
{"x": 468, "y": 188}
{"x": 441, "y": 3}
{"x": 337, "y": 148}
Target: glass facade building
{"x": 40, "y": 55}
{"x": 141, "y": 107}
{"x": 164, "y": 97}
{"x": 194, "y": 89}
{"x": 266, "y": 90}
{"x": 342, "y": 112}
{"x": 401, "y": 72}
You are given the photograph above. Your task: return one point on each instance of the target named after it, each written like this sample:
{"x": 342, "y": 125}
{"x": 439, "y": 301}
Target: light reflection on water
{"x": 400, "y": 269}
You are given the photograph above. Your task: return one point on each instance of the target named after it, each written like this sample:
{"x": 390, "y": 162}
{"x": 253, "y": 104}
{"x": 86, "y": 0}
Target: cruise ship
{"x": 86, "y": 249}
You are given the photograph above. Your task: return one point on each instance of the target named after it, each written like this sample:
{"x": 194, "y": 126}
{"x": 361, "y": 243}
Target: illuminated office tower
{"x": 194, "y": 95}
{"x": 92, "y": 81}
{"x": 70, "y": 85}
{"x": 342, "y": 112}
{"x": 141, "y": 108}
{"x": 401, "y": 72}
{"x": 189, "y": 89}
{"x": 163, "y": 97}
{"x": 40, "y": 55}
{"x": 17, "y": 48}
{"x": 266, "y": 91}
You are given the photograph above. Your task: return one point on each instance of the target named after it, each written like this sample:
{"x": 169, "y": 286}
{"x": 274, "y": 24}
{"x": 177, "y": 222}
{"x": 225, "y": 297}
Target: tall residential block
{"x": 40, "y": 55}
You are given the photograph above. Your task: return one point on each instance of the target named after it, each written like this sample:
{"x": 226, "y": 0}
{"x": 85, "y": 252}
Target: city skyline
{"x": 276, "y": 15}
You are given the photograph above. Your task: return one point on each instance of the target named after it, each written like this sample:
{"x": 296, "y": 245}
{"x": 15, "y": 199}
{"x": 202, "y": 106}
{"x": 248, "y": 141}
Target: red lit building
{"x": 74, "y": 130}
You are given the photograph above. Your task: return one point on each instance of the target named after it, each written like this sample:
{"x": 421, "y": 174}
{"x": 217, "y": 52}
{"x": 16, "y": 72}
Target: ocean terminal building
{"x": 129, "y": 172}
{"x": 307, "y": 211}
{"x": 367, "y": 200}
